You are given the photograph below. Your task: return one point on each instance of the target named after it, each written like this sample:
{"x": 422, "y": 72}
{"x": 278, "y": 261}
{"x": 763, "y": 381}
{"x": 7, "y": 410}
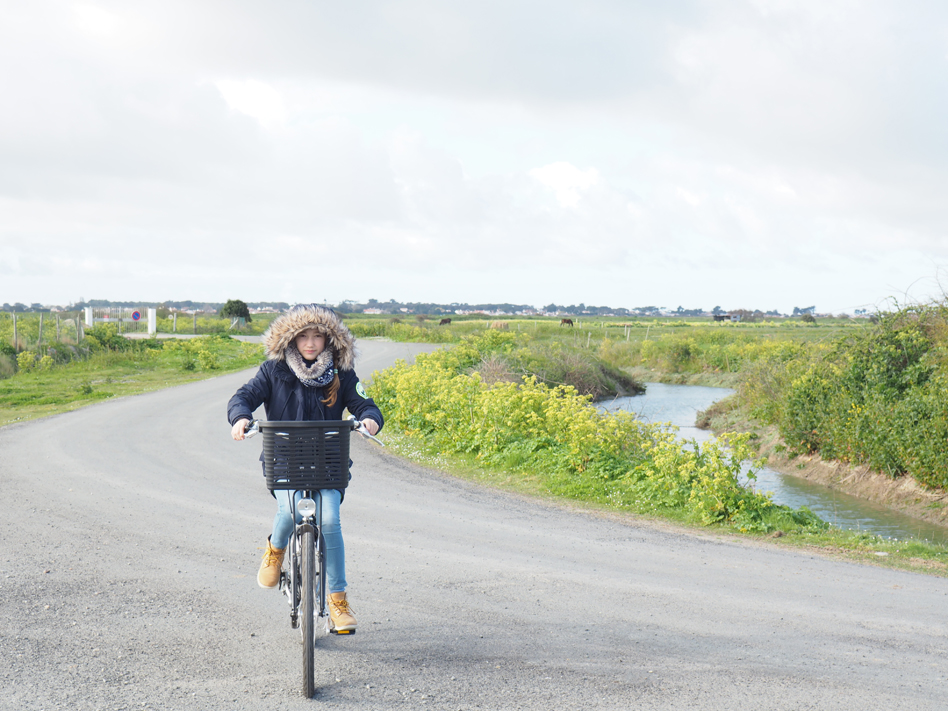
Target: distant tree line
{"x": 188, "y": 305}
{"x": 410, "y": 307}
{"x": 23, "y": 308}
{"x": 416, "y": 307}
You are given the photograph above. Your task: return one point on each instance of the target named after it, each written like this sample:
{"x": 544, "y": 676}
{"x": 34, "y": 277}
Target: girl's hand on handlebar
{"x": 367, "y": 428}
{"x": 237, "y": 431}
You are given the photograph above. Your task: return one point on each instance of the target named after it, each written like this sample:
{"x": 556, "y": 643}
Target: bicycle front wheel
{"x": 307, "y": 612}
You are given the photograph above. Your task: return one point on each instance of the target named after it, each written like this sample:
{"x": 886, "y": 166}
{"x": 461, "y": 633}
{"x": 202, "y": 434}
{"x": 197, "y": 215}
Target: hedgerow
{"x": 877, "y": 397}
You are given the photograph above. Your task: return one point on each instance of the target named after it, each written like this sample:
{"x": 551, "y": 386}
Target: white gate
{"x": 127, "y": 320}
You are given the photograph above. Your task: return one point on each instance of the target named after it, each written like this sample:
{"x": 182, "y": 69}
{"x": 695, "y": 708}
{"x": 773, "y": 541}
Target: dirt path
{"x": 131, "y": 531}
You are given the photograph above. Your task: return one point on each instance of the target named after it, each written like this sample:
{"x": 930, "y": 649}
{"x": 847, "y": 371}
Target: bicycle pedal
{"x": 334, "y": 631}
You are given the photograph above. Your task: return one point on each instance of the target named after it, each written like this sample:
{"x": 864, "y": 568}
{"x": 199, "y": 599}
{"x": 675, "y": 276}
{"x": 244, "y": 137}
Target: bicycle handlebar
{"x": 253, "y": 429}
{"x": 359, "y": 427}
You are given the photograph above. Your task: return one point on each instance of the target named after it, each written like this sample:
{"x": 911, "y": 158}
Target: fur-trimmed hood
{"x": 289, "y": 325}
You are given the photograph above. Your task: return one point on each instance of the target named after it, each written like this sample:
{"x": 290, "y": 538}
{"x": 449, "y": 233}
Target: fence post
{"x": 78, "y": 337}
{"x": 59, "y": 336}
{"x": 16, "y": 346}
{"x": 153, "y": 322}
{"x": 39, "y": 339}
{"x": 195, "y": 326}
{"x": 174, "y": 322}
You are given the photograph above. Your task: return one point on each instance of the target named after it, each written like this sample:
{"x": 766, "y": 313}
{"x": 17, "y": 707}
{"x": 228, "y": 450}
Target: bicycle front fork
{"x": 291, "y": 583}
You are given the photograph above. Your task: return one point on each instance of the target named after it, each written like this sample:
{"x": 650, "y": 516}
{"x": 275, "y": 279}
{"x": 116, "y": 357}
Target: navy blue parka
{"x": 284, "y": 397}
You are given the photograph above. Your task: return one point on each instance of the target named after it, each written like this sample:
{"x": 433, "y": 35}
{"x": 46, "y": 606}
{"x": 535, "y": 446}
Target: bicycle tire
{"x": 308, "y": 621}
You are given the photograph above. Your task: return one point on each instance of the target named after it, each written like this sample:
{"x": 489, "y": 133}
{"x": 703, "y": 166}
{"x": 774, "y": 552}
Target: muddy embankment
{"x": 902, "y": 494}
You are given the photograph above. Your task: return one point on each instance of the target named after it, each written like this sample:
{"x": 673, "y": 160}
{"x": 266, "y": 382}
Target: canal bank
{"x": 901, "y": 494}
{"x": 843, "y": 496}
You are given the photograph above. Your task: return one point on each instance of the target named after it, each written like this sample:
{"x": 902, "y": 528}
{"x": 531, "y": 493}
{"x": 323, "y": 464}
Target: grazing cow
{"x": 567, "y": 322}
{"x": 445, "y": 322}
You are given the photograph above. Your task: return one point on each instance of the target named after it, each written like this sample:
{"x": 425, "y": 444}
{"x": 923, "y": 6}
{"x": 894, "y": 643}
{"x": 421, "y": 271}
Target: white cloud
{"x": 567, "y": 181}
{"x": 254, "y": 98}
{"x": 95, "y": 20}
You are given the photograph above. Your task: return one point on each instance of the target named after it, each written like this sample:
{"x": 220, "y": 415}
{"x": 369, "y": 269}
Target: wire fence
{"x": 29, "y": 331}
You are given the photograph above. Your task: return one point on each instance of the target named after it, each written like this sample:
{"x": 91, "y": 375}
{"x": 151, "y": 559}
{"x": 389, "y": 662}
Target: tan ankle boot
{"x": 269, "y": 574}
{"x": 340, "y": 612}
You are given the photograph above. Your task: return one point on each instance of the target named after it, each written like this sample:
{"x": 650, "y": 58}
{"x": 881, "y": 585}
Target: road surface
{"x": 131, "y": 533}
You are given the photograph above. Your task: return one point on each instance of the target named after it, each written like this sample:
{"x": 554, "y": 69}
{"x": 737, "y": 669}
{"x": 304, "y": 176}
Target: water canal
{"x": 680, "y": 404}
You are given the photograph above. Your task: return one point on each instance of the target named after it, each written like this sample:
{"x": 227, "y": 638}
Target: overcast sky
{"x": 742, "y": 153}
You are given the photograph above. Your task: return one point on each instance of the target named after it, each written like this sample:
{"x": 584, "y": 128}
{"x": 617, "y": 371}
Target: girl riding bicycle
{"x": 308, "y": 375}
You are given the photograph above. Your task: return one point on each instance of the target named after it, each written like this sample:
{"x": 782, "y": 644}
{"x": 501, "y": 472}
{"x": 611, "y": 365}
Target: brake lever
{"x": 360, "y": 428}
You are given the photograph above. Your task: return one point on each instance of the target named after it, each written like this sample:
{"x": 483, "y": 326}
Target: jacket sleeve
{"x": 250, "y": 396}
{"x": 355, "y": 399}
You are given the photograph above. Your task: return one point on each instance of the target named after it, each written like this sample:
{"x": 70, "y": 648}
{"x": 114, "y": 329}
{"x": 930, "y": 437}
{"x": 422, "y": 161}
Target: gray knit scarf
{"x": 317, "y": 375}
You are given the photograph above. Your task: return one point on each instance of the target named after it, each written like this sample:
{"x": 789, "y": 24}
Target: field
{"x": 677, "y": 350}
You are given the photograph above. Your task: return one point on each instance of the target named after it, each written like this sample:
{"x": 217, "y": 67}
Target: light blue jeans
{"x": 332, "y": 533}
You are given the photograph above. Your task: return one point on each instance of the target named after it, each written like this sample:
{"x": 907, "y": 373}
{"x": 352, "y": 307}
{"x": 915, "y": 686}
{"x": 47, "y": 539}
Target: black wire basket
{"x": 306, "y": 455}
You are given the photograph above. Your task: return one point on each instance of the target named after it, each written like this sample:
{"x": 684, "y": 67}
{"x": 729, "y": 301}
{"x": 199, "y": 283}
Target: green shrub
{"x": 207, "y": 359}
{"x": 878, "y": 396}
{"x": 26, "y": 361}
{"x": 105, "y": 336}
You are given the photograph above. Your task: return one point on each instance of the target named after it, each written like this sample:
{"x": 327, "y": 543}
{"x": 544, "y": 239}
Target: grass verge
{"x": 141, "y": 367}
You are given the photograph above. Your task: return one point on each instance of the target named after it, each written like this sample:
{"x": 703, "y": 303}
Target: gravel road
{"x": 131, "y": 533}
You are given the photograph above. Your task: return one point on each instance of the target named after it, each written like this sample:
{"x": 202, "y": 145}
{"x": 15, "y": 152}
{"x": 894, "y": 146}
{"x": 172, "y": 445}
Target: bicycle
{"x": 306, "y": 457}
